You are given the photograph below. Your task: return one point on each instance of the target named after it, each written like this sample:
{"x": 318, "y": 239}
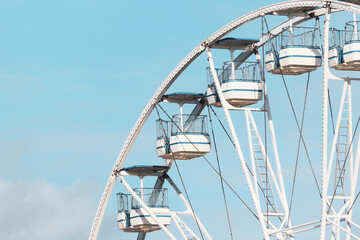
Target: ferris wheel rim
{"x": 176, "y": 72}
{"x": 197, "y": 51}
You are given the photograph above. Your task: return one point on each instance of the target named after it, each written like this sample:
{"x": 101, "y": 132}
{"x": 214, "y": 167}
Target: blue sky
{"x": 74, "y": 77}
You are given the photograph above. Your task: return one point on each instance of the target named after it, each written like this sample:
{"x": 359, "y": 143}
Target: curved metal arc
{"x": 174, "y": 75}
{"x": 135, "y": 132}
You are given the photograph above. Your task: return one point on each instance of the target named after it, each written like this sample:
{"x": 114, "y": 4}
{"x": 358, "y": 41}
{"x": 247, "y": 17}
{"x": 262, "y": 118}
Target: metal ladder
{"x": 263, "y": 174}
{"x": 342, "y": 148}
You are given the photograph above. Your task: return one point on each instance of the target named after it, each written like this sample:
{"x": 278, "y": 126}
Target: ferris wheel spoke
{"x": 266, "y": 186}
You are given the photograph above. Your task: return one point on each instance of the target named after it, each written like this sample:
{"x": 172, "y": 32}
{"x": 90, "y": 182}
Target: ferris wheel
{"x": 296, "y": 39}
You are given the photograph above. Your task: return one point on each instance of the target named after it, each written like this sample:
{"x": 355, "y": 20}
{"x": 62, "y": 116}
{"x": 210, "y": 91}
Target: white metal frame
{"x": 340, "y": 6}
{"x": 174, "y": 215}
{"x": 332, "y": 215}
{"x": 252, "y": 184}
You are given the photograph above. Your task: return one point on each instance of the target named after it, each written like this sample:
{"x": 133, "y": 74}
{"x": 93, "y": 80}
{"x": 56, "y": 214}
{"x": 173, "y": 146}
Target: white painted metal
{"x": 270, "y": 58}
{"x": 232, "y": 64}
{"x": 271, "y": 63}
{"x": 355, "y": 171}
{"x": 345, "y": 230}
{"x": 351, "y": 53}
{"x": 236, "y": 93}
{"x": 241, "y": 94}
{"x": 324, "y": 182}
{"x": 346, "y": 56}
{"x": 256, "y": 198}
{"x": 121, "y": 221}
{"x": 212, "y": 97}
{"x": 253, "y": 163}
{"x": 142, "y": 187}
{"x": 351, "y": 152}
{"x": 146, "y": 208}
{"x": 191, "y": 141}
{"x": 355, "y": 27}
{"x": 188, "y": 211}
{"x": 181, "y": 117}
{"x": 281, "y": 192}
{"x": 180, "y": 68}
{"x": 257, "y": 152}
{"x": 337, "y": 128}
{"x": 185, "y": 140}
{"x": 140, "y": 220}
{"x": 354, "y": 224}
{"x": 291, "y": 28}
{"x": 299, "y": 60}
{"x": 161, "y": 148}
{"x": 344, "y": 153}
{"x": 178, "y": 226}
{"x": 351, "y": 50}
{"x": 280, "y": 179}
{"x": 334, "y": 58}
{"x": 187, "y": 146}
{"x": 241, "y": 87}
{"x": 340, "y": 143}
{"x": 260, "y": 159}
{"x": 185, "y": 231}
{"x": 288, "y": 58}
{"x": 295, "y": 227}
{"x": 353, "y": 180}
{"x": 237, "y": 145}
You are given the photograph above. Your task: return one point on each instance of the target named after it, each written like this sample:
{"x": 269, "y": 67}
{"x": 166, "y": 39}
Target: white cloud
{"x": 37, "y": 209}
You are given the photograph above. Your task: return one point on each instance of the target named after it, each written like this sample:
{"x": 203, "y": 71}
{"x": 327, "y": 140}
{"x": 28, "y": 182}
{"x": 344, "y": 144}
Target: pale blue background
{"x": 75, "y": 75}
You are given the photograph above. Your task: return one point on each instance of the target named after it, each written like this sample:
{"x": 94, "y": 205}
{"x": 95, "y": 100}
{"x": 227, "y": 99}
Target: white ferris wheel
{"x": 296, "y": 40}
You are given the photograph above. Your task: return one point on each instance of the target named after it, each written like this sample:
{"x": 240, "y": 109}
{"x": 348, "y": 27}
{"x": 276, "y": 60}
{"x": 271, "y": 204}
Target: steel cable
{"x": 187, "y": 196}
{"x": 299, "y": 145}
{"x": 343, "y": 168}
{"x": 248, "y": 168}
{"x": 297, "y": 123}
{"x": 211, "y": 165}
{"x": 219, "y": 168}
{"x": 357, "y": 195}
